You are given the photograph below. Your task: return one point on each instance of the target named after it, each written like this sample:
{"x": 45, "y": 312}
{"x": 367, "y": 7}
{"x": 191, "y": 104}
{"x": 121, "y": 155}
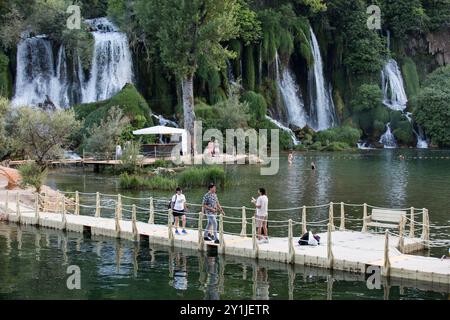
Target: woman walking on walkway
{"x": 178, "y": 205}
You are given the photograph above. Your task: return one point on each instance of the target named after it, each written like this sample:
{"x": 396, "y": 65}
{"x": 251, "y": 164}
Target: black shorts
{"x": 178, "y": 213}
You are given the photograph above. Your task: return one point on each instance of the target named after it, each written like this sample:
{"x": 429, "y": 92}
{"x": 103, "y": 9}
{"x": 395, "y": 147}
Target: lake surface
{"x": 33, "y": 262}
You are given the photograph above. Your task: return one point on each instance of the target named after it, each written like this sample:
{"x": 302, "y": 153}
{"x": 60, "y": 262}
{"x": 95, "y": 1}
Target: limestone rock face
{"x": 439, "y": 46}
{"x": 12, "y": 175}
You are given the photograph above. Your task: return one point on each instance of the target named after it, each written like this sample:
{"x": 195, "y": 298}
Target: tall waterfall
{"x": 388, "y": 139}
{"x": 43, "y": 79}
{"x": 38, "y": 79}
{"x": 292, "y": 96}
{"x": 393, "y": 87}
{"x": 282, "y": 127}
{"x": 322, "y": 111}
{"x": 112, "y": 63}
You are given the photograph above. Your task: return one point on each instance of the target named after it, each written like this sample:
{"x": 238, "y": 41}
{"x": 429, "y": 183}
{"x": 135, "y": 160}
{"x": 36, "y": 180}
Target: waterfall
{"x": 282, "y": 127}
{"x": 388, "y": 139}
{"x": 364, "y": 145}
{"x": 112, "y": 63}
{"x": 392, "y": 85}
{"x": 422, "y": 142}
{"x": 292, "y": 96}
{"x": 43, "y": 79}
{"x": 164, "y": 122}
{"x": 322, "y": 110}
{"x": 38, "y": 82}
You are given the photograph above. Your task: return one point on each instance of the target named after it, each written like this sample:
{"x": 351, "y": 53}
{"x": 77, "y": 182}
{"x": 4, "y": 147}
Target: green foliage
{"x": 5, "y": 140}
{"x": 127, "y": 181}
{"x": 160, "y": 163}
{"x": 4, "y": 77}
{"x": 202, "y": 176}
{"x": 32, "y": 175}
{"x": 404, "y": 16}
{"x": 346, "y": 134}
{"x": 367, "y": 97}
{"x": 438, "y": 12}
{"x": 248, "y": 24}
{"x": 131, "y": 160}
{"x": 42, "y": 135}
{"x": 257, "y": 105}
{"x": 433, "y": 106}
{"x": 411, "y": 77}
{"x": 249, "y": 69}
{"x": 102, "y": 138}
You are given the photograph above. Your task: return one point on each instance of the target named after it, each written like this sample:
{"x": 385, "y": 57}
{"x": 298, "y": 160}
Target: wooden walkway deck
{"x": 352, "y": 251}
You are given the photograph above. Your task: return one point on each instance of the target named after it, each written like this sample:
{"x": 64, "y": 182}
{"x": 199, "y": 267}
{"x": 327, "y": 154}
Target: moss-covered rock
{"x": 128, "y": 99}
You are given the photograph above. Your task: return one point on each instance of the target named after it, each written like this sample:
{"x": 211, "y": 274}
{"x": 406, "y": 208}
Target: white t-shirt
{"x": 262, "y": 201}
{"x": 179, "y": 200}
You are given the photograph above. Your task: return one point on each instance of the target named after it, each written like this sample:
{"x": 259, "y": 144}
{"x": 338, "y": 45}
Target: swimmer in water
{"x": 290, "y": 157}
{"x": 313, "y": 166}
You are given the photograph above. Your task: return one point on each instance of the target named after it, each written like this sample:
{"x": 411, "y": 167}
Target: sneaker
{"x": 207, "y": 239}
{"x": 217, "y": 241}
{"x": 184, "y": 231}
{"x": 176, "y": 231}
{"x": 266, "y": 240}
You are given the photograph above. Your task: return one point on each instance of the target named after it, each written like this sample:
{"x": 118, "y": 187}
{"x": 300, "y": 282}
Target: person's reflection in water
{"x": 180, "y": 281}
{"x": 212, "y": 279}
{"x": 261, "y": 284}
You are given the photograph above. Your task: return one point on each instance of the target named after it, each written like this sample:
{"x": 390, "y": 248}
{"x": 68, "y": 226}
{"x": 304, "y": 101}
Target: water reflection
{"x": 260, "y": 283}
{"x": 396, "y": 179}
{"x": 178, "y": 271}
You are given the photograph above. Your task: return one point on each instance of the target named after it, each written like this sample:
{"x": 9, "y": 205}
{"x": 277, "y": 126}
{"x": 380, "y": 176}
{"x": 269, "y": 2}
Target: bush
{"x": 346, "y": 134}
{"x": 337, "y": 146}
{"x": 257, "y": 104}
{"x": 202, "y": 176}
{"x": 367, "y": 97}
{"x": 32, "y": 175}
{"x": 130, "y": 161}
{"x": 160, "y": 163}
{"x": 154, "y": 183}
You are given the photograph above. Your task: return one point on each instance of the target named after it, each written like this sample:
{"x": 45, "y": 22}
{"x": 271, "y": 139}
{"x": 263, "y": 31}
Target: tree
{"x": 186, "y": 31}
{"x": 4, "y": 138}
{"x": 32, "y": 175}
{"x": 102, "y": 138}
{"x": 433, "y": 106}
{"x": 42, "y": 135}
{"x": 367, "y": 97}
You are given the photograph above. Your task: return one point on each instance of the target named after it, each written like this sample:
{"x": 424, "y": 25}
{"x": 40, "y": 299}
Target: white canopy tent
{"x": 158, "y": 130}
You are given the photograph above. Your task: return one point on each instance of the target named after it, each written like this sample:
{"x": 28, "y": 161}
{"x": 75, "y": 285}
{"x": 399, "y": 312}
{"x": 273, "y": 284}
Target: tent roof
{"x": 159, "y": 130}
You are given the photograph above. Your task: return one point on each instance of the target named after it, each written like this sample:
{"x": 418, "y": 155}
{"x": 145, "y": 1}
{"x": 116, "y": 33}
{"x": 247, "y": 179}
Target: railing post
{"x": 77, "y": 203}
{"x": 169, "y": 227}
{"x": 342, "y": 226}
{"x": 63, "y": 213}
{"x": 331, "y": 215}
{"x": 386, "y": 264}
{"x": 291, "y": 256}
{"x": 151, "y": 219}
{"x": 36, "y": 208}
{"x": 254, "y": 240}
{"x": 117, "y": 217}
{"x": 401, "y": 230}
{"x": 244, "y": 223}
{"x": 221, "y": 236}
{"x": 97, "y": 205}
{"x": 18, "y": 213}
{"x": 201, "y": 241}
{"x": 119, "y": 207}
{"x": 133, "y": 223}
{"x": 304, "y": 229}
{"x": 411, "y": 224}
{"x": 425, "y": 227}
{"x": 364, "y": 228}
{"x": 330, "y": 255}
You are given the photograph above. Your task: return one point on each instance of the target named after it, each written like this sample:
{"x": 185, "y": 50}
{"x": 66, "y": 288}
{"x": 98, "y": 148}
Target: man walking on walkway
{"x": 211, "y": 206}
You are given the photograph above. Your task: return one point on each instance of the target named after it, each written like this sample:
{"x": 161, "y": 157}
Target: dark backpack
{"x": 305, "y": 238}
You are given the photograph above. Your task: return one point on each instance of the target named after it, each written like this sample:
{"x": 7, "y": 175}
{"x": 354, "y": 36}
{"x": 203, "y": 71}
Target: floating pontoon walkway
{"x": 340, "y": 248}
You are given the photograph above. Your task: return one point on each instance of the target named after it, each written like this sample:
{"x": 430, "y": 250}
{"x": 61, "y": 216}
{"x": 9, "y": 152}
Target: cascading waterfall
{"x": 42, "y": 82}
{"x": 393, "y": 87}
{"x": 322, "y": 111}
{"x": 284, "y": 128}
{"x": 388, "y": 139}
{"x": 37, "y": 81}
{"x": 112, "y": 63}
{"x": 422, "y": 142}
{"x": 164, "y": 122}
{"x": 292, "y": 96}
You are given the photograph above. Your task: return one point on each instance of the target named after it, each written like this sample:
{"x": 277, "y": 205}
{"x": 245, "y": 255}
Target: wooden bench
{"x": 381, "y": 218}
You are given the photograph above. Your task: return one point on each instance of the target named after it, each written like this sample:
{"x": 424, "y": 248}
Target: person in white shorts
{"x": 178, "y": 204}
{"x": 261, "y": 204}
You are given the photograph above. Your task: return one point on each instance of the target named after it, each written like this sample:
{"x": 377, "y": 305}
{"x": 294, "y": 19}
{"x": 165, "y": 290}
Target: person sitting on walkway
{"x": 178, "y": 209}
{"x": 261, "y": 204}
{"x": 211, "y": 206}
